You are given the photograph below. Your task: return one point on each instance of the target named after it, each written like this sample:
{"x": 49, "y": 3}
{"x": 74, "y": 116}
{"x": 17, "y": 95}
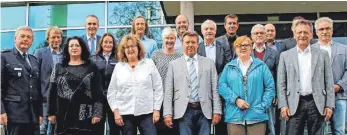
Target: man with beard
{"x": 182, "y": 24}
{"x": 270, "y": 57}
{"x": 21, "y": 98}
{"x": 291, "y": 42}
{"x": 231, "y": 26}
{"x": 48, "y": 57}
{"x": 140, "y": 28}
{"x": 91, "y": 38}
{"x": 338, "y": 54}
{"x": 270, "y": 37}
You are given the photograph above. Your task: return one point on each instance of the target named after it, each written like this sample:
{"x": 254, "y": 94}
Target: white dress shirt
{"x": 195, "y": 63}
{"x": 326, "y": 47}
{"x": 135, "y": 92}
{"x": 304, "y": 61}
{"x": 259, "y": 50}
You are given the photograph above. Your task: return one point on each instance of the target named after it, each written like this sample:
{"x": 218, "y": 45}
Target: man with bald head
{"x": 270, "y": 30}
{"x": 182, "y": 25}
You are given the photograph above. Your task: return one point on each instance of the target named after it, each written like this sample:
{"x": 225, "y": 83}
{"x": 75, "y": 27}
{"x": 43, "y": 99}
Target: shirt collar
{"x": 307, "y": 50}
{"x": 248, "y": 62}
{"x": 90, "y": 37}
{"x": 186, "y": 57}
{"x": 144, "y": 37}
{"x": 52, "y": 51}
{"x": 106, "y": 55}
{"x": 21, "y": 53}
{"x": 254, "y": 46}
{"x": 329, "y": 43}
{"x": 213, "y": 43}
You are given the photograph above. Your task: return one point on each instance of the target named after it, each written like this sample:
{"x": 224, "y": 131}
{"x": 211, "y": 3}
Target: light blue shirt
{"x": 211, "y": 51}
{"x": 178, "y": 44}
{"x": 150, "y": 45}
{"x": 56, "y": 56}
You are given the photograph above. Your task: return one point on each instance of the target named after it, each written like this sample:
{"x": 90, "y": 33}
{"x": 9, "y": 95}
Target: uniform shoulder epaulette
{"x": 6, "y": 50}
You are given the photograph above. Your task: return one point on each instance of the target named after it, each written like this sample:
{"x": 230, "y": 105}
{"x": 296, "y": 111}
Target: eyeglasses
{"x": 257, "y": 33}
{"x": 245, "y": 46}
{"x": 326, "y": 28}
{"x": 131, "y": 46}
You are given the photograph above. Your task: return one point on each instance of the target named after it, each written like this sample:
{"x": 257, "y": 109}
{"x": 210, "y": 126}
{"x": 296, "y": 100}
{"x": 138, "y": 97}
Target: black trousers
{"x": 100, "y": 127}
{"x": 306, "y": 114}
{"x": 221, "y": 127}
{"x": 22, "y": 129}
{"x": 162, "y": 129}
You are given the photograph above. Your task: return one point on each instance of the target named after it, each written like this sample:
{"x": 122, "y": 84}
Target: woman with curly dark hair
{"x": 75, "y": 99}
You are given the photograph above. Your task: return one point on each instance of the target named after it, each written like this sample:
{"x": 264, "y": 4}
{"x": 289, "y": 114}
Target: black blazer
{"x": 21, "y": 96}
{"x": 223, "y": 55}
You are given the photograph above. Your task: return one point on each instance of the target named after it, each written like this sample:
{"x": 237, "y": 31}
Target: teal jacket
{"x": 260, "y": 93}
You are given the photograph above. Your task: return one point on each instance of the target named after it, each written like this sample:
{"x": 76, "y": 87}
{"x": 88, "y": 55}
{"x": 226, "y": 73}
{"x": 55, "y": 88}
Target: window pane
{"x": 119, "y": 33}
{"x": 81, "y": 32}
{"x": 12, "y": 17}
{"x": 342, "y": 40}
{"x": 39, "y": 41}
{"x": 7, "y": 40}
{"x": 154, "y": 33}
{"x": 122, "y": 13}
{"x": 64, "y": 15}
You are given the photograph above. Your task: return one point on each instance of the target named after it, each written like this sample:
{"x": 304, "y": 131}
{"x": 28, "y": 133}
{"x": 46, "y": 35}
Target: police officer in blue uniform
{"x": 21, "y": 98}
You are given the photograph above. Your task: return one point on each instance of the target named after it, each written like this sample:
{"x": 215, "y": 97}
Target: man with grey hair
{"x": 91, "y": 38}
{"x": 213, "y": 49}
{"x": 338, "y": 54}
{"x": 291, "y": 42}
{"x": 305, "y": 84}
{"x": 48, "y": 57}
{"x": 220, "y": 53}
{"x": 270, "y": 57}
{"x": 21, "y": 99}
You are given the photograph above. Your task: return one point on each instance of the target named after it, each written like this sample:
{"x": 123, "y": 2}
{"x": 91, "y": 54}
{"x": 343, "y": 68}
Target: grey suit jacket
{"x": 288, "y": 80}
{"x": 177, "y": 88}
{"x": 223, "y": 55}
{"x": 224, "y": 41}
{"x": 339, "y": 67}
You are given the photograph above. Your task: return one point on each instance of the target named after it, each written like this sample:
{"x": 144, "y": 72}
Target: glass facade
{"x": 70, "y": 16}
{"x": 116, "y": 18}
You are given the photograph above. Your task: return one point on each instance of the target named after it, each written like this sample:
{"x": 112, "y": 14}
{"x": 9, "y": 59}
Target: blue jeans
{"x": 46, "y": 127}
{"x": 339, "y": 117}
{"x": 144, "y": 122}
{"x": 194, "y": 122}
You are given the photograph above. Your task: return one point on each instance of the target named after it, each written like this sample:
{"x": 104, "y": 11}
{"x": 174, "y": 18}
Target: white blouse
{"x": 135, "y": 92}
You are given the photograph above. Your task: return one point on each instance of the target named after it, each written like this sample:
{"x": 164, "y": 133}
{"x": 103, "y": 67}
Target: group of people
{"x": 242, "y": 85}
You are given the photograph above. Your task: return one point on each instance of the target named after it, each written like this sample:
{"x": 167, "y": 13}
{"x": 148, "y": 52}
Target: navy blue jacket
{"x": 98, "y": 38}
{"x": 105, "y": 68}
{"x": 21, "y": 96}
{"x": 45, "y": 59}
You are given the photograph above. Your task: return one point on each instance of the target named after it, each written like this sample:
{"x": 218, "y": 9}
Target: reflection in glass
{"x": 7, "y": 40}
{"x": 64, "y": 15}
{"x": 154, "y": 33}
{"x": 12, "y": 17}
{"x": 122, "y": 13}
{"x": 39, "y": 41}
